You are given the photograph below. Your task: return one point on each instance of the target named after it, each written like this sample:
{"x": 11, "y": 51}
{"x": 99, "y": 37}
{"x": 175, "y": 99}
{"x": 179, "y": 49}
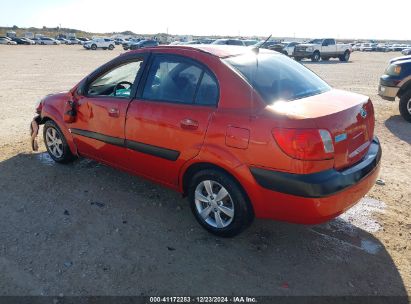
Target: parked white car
{"x": 289, "y": 47}
{"x": 5, "y": 40}
{"x": 103, "y": 43}
{"x": 47, "y": 41}
{"x": 366, "y": 47}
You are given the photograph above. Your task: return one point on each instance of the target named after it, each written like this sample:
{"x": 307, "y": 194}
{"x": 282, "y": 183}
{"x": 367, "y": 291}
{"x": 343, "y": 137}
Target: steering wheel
{"x": 121, "y": 83}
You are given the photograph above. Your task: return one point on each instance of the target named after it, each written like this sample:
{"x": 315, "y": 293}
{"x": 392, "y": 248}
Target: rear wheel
{"x": 218, "y": 203}
{"x": 316, "y": 56}
{"x": 56, "y": 143}
{"x": 405, "y": 106}
{"x": 94, "y": 47}
{"x": 345, "y": 57}
{"x": 111, "y": 47}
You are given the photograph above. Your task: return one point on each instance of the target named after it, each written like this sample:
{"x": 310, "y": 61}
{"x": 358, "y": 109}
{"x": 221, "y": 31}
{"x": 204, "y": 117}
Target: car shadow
{"x": 87, "y": 229}
{"x": 399, "y": 127}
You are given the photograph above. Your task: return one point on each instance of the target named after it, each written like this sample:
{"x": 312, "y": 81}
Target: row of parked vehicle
{"x": 380, "y": 47}
{"x": 41, "y": 40}
{"x": 315, "y": 50}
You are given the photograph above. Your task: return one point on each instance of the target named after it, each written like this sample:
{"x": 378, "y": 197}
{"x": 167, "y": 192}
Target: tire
{"x": 56, "y": 143}
{"x": 111, "y": 47}
{"x": 316, "y": 56}
{"x": 42, "y": 43}
{"x": 325, "y": 58}
{"x": 405, "y": 106}
{"x": 94, "y": 47}
{"x": 345, "y": 57}
{"x": 8, "y": 43}
{"x": 298, "y": 58}
{"x": 225, "y": 218}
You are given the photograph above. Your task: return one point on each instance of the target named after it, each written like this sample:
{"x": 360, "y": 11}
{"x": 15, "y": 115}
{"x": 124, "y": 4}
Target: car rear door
{"x": 101, "y": 109}
{"x": 167, "y": 122}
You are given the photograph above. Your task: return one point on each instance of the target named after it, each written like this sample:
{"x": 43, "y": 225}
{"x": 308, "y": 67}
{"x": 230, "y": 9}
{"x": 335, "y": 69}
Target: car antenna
{"x": 257, "y": 48}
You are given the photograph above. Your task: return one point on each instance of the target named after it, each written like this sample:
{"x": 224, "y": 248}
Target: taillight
{"x": 305, "y": 144}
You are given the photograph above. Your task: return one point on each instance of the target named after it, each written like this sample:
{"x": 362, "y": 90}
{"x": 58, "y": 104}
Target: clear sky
{"x": 301, "y": 18}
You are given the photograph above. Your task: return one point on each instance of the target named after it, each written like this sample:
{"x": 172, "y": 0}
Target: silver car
{"x": 6, "y": 40}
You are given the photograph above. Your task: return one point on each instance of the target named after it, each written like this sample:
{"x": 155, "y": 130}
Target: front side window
{"x": 117, "y": 82}
{"x": 181, "y": 81}
{"x": 277, "y": 77}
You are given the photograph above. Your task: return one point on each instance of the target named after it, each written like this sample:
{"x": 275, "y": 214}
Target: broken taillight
{"x": 305, "y": 144}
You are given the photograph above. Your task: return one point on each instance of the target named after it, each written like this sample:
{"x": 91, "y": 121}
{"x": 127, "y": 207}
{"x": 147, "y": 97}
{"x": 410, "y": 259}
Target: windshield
{"x": 276, "y": 77}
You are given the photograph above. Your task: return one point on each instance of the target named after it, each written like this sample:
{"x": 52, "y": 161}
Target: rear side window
{"x": 179, "y": 80}
{"x": 277, "y": 77}
{"x": 208, "y": 91}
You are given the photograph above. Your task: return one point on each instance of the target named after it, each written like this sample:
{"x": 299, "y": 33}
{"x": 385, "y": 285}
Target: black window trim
{"x": 117, "y": 62}
{"x": 203, "y": 67}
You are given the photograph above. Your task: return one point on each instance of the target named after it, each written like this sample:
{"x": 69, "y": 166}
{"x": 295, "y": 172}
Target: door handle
{"x": 189, "y": 124}
{"x": 113, "y": 112}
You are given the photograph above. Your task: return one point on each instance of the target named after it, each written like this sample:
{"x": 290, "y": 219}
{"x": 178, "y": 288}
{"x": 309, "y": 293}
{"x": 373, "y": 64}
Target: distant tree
{"x": 15, "y": 27}
{"x": 44, "y": 27}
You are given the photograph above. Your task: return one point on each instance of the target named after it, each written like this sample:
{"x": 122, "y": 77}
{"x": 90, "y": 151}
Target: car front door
{"x": 101, "y": 106}
{"x": 167, "y": 122}
{"x": 329, "y": 46}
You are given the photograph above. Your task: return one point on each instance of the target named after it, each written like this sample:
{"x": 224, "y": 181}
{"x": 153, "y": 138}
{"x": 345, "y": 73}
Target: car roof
{"x": 221, "y": 51}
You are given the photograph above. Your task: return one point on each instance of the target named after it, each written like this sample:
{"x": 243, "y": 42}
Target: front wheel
{"x": 94, "y": 47}
{"x": 405, "y": 106}
{"x": 111, "y": 47}
{"x": 56, "y": 143}
{"x": 219, "y": 204}
{"x": 316, "y": 56}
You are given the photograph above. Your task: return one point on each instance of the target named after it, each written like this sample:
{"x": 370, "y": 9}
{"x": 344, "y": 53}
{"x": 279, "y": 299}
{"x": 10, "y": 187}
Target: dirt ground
{"x": 87, "y": 229}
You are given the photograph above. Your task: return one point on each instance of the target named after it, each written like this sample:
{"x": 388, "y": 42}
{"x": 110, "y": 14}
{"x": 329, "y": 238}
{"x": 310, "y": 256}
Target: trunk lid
{"x": 349, "y": 117}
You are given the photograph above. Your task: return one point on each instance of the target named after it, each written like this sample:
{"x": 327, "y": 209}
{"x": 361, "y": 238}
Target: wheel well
{"x": 45, "y": 119}
{"x": 405, "y": 88}
{"x": 193, "y": 169}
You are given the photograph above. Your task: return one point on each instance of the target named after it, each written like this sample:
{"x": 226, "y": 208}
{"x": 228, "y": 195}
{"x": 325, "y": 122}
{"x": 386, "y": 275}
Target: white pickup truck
{"x": 322, "y": 49}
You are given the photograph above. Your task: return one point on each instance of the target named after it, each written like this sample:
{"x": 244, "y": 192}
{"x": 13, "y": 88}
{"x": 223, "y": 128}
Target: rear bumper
{"x": 314, "y": 198}
{"x": 388, "y": 93}
{"x": 321, "y": 184}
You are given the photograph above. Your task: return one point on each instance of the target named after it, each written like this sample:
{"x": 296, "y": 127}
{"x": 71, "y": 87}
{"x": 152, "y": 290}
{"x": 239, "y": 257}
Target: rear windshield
{"x": 277, "y": 77}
